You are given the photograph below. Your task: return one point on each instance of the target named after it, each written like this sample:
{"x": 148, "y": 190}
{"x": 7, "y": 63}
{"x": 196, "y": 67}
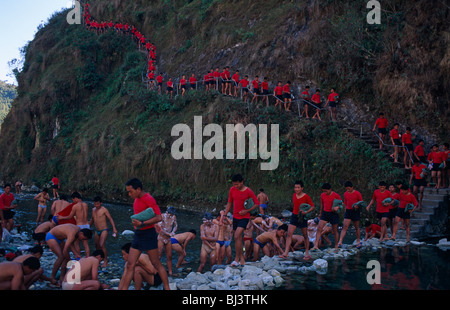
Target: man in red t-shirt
{"x": 244, "y": 82}
{"x": 193, "y": 81}
{"x": 332, "y": 100}
{"x": 183, "y": 85}
{"x": 315, "y": 99}
{"x": 6, "y": 207}
{"x": 328, "y": 214}
{"x": 55, "y": 186}
{"x": 351, "y": 196}
{"x": 235, "y": 80}
{"x": 382, "y": 124}
{"x": 265, "y": 90}
{"x": 395, "y": 139}
{"x": 255, "y": 87}
{"x": 298, "y": 218}
{"x": 372, "y": 230}
{"x": 438, "y": 160}
{"x": 237, "y": 196}
{"x": 145, "y": 237}
{"x": 306, "y": 97}
{"x": 278, "y": 94}
{"x": 382, "y": 210}
{"x": 418, "y": 181}
{"x": 408, "y": 147}
{"x": 405, "y": 199}
{"x": 287, "y": 96}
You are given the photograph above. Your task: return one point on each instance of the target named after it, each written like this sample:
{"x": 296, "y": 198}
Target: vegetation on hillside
{"x": 84, "y": 114}
{"x": 7, "y": 95}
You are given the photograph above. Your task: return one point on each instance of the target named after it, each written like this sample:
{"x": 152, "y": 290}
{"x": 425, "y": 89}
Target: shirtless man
{"x": 179, "y": 243}
{"x": 269, "y": 236}
{"x": 87, "y": 279}
{"x": 38, "y": 274}
{"x": 59, "y": 204}
{"x": 42, "y": 230}
{"x": 270, "y": 221}
{"x": 263, "y": 201}
{"x": 222, "y": 223}
{"x": 168, "y": 226}
{"x": 60, "y": 240}
{"x": 144, "y": 270}
{"x": 209, "y": 235}
{"x": 42, "y": 199}
{"x": 12, "y": 273}
{"x": 79, "y": 211}
{"x": 99, "y": 216}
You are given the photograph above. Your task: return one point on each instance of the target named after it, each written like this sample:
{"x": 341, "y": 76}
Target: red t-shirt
{"x": 299, "y": 201}
{"x": 315, "y": 98}
{"x": 351, "y": 198}
{"x": 235, "y": 77}
{"x": 407, "y": 199}
{"x": 5, "y": 200}
{"x": 327, "y": 200}
{"x": 286, "y": 89}
{"x": 264, "y": 85}
{"x": 192, "y": 80}
{"x": 381, "y": 122}
{"x": 332, "y": 96}
{"x": 244, "y": 82}
{"x": 278, "y": 90}
{"x": 436, "y": 157}
{"x": 395, "y": 134}
{"x": 374, "y": 228}
{"x": 305, "y": 95}
{"x": 55, "y": 181}
{"x": 379, "y": 197}
{"x": 143, "y": 203}
{"x": 255, "y": 84}
{"x": 183, "y": 81}
{"x": 407, "y": 138}
{"x": 169, "y": 84}
{"x": 238, "y": 198}
{"x": 159, "y": 79}
{"x": 419, "y": 150}
{"x": 417, "y": 170}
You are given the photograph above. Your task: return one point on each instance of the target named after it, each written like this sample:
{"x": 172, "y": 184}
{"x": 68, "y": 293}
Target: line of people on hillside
{"x": 436, "y": 161}
{"x": 223, "y": 82}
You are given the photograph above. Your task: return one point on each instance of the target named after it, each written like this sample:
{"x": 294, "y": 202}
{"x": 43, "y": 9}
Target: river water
{"x": 402, "y": 267}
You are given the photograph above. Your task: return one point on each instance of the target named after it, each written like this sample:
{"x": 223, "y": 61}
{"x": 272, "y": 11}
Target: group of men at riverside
{"x": 68, "y": 227}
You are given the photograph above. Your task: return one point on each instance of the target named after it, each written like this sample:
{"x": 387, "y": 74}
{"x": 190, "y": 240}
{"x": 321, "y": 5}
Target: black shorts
{"x": 331, "y": 217}
{"x": 300, "y": 224}
{"x": 256, "y": 91}
{"x": 409, "y": 147}
{"x": 286, "y": 96}
{"x": 183, "y": 86}
{"x": 332, "y": 104}
{"x": 265, "y": 92}
{"x": 160, "y": 84}
{"x": 402, "y": 214}
{"x": 420, "y": 182}
{"x": 193, "y": 86}
{"x": 169, "y": 88}
{"x": 354, "y": 215}
{"x": 55, "y": 186}
{"x": 8, "y": 214}
{"x": 382, "y": 131}
{"x": 436, "y": 167}
{"x": 240, "y": 223}
{"x": 38, "y": 236}
{"x": 392, "y": 213}
{"x": 380, "y": 215}
{"x": 145, "y": 240}
{"x": 397, "y": 142}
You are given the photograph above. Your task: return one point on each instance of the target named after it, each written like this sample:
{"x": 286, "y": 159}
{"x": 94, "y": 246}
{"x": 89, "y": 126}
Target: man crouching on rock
{"x": 83, "y": 274}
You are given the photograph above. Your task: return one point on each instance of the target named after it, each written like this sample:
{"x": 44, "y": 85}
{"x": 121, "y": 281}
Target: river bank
{"x": 423, "y": 263}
